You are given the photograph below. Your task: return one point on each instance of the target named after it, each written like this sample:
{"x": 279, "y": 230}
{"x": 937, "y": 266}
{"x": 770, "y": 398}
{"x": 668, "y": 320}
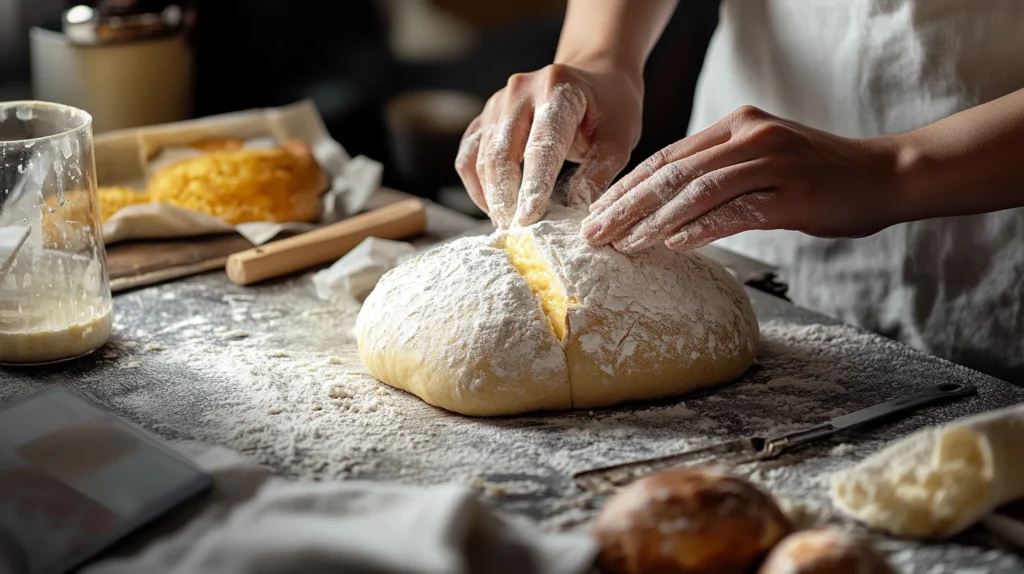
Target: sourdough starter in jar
{"x": 56, "y": 310}
{"x": 55, "y": 301}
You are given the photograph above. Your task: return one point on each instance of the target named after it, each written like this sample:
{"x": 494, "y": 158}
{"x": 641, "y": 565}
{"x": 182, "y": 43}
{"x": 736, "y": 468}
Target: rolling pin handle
{"x": 399, "y": 220}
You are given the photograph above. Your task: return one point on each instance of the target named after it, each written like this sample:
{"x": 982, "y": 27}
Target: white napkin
{"x": 357, "y": 272}
{"x": 255, "y": 524}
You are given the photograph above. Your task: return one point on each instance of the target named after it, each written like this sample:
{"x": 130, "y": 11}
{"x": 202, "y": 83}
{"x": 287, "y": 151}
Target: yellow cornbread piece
{"x": 278, "y": 185}
{"x": 74, "y": 205}
{"x": 522, "y": 252}
{"x": 116, "y": 198}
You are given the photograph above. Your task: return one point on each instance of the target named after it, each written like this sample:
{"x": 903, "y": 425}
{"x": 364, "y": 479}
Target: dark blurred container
{"x": 424, "y": 130}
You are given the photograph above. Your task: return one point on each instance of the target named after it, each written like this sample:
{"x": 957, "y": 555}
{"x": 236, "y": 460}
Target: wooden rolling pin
{"x": 396, "y": 221}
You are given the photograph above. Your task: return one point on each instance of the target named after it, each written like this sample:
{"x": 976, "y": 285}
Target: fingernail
{"x": 633, "y": 243}
{"x": 591, "y": 231}
{"x": 679, "y": 242}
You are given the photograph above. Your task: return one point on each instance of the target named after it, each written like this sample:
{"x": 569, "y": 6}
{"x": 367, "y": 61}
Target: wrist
{"x": 604, "y": 62}
{"x": 613, "y": 36}
{"x": 904, "y": 172}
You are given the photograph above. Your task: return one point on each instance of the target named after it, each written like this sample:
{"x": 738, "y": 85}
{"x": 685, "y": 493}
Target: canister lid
{"x": 114, "y": 21}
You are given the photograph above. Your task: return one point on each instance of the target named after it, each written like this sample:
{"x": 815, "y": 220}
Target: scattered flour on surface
{"x": 320, "y": 416}
{"x": 843, "y": 449}
{"x": 807, "y": 385}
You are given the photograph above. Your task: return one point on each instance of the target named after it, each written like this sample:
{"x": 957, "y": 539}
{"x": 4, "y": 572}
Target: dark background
{"x": 255, "y": 53}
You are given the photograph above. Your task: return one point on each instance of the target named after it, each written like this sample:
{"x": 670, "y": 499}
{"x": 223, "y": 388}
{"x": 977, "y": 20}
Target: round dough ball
{"x": 688, "y": 521}
{"x": 825, "y": 551}
{"x": 536, "y": 319}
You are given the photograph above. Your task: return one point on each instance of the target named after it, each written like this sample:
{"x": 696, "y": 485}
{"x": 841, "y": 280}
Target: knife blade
{"x": 750, "y": 449}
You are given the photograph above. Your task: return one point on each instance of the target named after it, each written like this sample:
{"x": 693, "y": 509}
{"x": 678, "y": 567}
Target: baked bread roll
{"x": 536, "y": 319}
{"x": 825, "y": 551}
{"x": 939, "y": 481}
{"x": 688, "y": 521}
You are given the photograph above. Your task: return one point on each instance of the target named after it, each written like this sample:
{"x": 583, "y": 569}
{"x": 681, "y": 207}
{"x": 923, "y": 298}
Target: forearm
{"x": 612, "y": 33}
{"x": 971, "y": 162}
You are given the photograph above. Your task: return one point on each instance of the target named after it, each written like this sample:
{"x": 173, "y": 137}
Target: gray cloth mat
{"x": 252, "y": 522}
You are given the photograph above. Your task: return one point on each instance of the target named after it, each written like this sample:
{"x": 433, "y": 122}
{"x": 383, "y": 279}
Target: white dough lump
{"x": 535, "y": 319}
{"x": 940, "y": 480}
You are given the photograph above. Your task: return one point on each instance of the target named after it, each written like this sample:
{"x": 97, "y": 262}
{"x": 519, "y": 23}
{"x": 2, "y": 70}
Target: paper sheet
{"x": 357, "y": 273}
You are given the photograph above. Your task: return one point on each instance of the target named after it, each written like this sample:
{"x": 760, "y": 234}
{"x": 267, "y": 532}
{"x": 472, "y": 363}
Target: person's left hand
{"x": 750, "y": 171}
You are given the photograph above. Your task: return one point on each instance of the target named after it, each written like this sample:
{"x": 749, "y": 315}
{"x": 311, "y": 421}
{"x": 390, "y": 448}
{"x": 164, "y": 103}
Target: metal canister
{"x": 129, "y": 62}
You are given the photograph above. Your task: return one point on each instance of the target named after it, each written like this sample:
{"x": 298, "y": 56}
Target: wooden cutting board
{"x": 140, "y": 263}
{"x": 135, "y": 264}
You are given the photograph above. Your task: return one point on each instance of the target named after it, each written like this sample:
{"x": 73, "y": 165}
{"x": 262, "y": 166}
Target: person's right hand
{"x": 589, "y": 115}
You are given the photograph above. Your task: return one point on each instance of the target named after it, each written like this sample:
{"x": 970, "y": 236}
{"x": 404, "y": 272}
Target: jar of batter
{"x": 55, "y": 301}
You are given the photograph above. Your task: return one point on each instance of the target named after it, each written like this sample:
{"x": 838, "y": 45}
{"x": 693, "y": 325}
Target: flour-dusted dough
{"x": 535, "y": 319}
{"x": 938, "y": 481}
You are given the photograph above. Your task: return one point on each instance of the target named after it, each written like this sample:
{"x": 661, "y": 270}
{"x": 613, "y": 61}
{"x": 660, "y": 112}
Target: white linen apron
{"x": 953, "y": 287}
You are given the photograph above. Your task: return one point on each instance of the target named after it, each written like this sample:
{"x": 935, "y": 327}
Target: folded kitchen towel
{"x": 257, "y": 524}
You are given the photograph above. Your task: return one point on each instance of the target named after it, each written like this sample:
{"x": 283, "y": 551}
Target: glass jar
{"x": 55, "y": 301}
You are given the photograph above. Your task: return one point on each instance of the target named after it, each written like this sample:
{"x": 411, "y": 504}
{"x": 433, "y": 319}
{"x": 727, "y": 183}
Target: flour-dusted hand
{"x": 590, "y": 116}
{"x": 585, "y": 108}
{"x": 750, "y": 171}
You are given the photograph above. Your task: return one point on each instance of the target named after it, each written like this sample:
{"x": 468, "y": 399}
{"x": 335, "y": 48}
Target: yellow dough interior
{"x": 522, "y": 252}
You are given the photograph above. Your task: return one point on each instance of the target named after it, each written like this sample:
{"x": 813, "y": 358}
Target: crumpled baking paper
{"x": 357, "y": 273}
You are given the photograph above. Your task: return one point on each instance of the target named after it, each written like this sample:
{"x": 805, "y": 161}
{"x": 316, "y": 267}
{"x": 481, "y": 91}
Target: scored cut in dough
{"x": 459, "y": 328}
{"x": 939, "y": 481}
{"x": 536, "y": 319}
{"x": 522, "y": 253}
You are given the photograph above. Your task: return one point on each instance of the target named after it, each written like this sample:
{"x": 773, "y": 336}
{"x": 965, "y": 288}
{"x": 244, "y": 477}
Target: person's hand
{"x": 587, "y": 114}
{"x": 750, "y": 171}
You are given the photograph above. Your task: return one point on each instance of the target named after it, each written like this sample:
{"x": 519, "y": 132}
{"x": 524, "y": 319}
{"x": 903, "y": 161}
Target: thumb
{"x": 591, "y": 179}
